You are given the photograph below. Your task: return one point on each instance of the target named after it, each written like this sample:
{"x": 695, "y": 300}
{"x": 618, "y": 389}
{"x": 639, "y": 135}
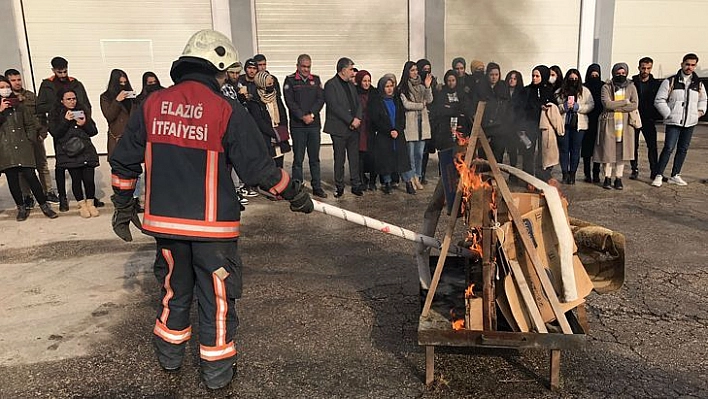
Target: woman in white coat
{"x": 574, "y": 102}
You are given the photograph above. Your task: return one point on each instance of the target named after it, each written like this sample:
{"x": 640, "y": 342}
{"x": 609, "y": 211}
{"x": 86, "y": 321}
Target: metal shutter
{"x": 96, "y": 36}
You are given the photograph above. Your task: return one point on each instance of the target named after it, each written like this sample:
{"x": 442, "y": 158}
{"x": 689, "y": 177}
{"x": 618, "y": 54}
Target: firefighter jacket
{"x": 187, "y": 135}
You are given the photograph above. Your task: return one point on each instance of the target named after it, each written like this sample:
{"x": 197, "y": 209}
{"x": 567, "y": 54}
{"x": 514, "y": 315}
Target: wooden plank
{"x": 489, "y": 310}
{"x": 526, "y": 295}
{"x": 555, "y": 369}
{"x": 429, "y": 365}
{"x": 469, "y": 155}
{"x": 525, "y": 239}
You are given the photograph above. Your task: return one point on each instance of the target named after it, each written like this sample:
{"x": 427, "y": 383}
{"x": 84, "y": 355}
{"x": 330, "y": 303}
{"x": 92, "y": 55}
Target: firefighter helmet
{"x": 213, "y": 47}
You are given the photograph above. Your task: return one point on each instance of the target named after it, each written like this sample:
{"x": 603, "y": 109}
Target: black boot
{"x": 618, "y": 184}
{"x": 47, "y": 211}
{"x": 596, "y": 177}
{"x": 409, "y": 188}
{"x": 98, "y": 203}
{"x": 634, "y": 175}
{"x": 587, "y": 166}
{"x": 63, "y": 203}
{"x": 571, "y": 178}
{"x": 607, "y": 184}
{"x": 566, "y": 179}
{"x": 386, "y": 188}
{"x": 22, "y": 213}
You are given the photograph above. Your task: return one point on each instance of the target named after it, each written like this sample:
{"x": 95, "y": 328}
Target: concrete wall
{"x": 243, "y": 29}
{"x": 661, "y": 29}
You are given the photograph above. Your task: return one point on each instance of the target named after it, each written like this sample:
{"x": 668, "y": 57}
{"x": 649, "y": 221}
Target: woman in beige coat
{"x": 416, "y": 94}
{"x": 615, "y": 137}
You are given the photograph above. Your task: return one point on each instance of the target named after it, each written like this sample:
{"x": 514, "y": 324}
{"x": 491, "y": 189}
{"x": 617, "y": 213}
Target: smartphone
{"x": 13, "y": 101}
{"x": 571, "y": 99}
{"x": 130, "y": 94}
{"x": 78, "y": 114}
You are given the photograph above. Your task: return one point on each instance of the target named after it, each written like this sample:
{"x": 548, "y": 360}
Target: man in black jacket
{"x": 187, "y": 136}
{"x": 647, "y": 87}
{"x": 305, "y": 98}
{"x": 344, "y": 114}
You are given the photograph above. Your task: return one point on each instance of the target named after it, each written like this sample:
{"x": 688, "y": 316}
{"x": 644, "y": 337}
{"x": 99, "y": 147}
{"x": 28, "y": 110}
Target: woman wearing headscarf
{"x": 615, "y": 138}
{"x": 18, "y": 131}
{"x": 448, "y": 111}
{"x": 528, "y": 105}
{"x": 72, "y": 128}
{"x": 574, "y": 102}
{"x": 366, "y": 153}
{"x": 151, "y": 84}
{"x": 416, "y": 94}
{"x": 268, "y": 110}
{"x": 593, "y": 81}
{"x": 388, "y": 122}
{"x": 116, "y": 104}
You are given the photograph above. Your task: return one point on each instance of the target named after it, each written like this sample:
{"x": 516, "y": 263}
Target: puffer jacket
{"x": 680, "y": 106}
{"x": 62, "y": 130}
{"x": 18, "y": 130}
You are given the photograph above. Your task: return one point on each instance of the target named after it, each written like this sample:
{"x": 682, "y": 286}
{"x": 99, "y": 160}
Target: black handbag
{"x": 74, "y": 146}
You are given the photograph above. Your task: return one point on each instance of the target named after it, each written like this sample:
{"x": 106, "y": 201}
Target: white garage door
{"x": 652, "y": 28}
{"x": 515, "y": 34}
{"x": 96, "y": 36}
{"x": 374, "y": 34}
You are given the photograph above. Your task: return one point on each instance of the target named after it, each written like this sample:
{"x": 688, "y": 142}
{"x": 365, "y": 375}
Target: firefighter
{"x": 187, "y": 135}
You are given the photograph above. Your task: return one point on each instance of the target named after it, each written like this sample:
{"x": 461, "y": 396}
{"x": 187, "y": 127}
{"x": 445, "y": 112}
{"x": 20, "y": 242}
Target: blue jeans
{"x": 407, "y": 176}
{"x": 415, "y": 154}
{"x": 569, "y": 146}
{"x": 306, "y": 139}
{"x": 677, "y": 138}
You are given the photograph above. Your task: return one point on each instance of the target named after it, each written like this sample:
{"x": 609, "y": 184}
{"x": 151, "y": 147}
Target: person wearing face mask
{"x": 269, "y": 113}
{"x": 593, "y": 81}
{"x": 574, "y": 102}
{"x": 615, "y": 138}
{"x": 116, "y": 104}
{"x": 18, "y": 131}
{"x": 151, "y": 84}
{"x": 528, "y": 105}
{"x": 425, "y": 69}
{"x": 556, "y": 78}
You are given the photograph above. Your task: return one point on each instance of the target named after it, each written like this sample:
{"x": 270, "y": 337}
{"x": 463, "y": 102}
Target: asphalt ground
{"x": 330, "y": 309}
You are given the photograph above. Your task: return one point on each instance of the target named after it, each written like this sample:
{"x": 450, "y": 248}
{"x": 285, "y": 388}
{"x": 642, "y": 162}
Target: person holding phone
{"x": 72, "y": 130}
{"x": 574, "y": 102}
{"x": 116, "y": 104}
{"x": 416, "y": 94}
{"x": 18, "y": 131}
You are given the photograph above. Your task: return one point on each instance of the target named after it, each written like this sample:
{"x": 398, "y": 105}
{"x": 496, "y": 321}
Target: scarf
{"x": 620, "y": 95}
{"x": 416, "y": 90}
{"x": 269, "y": 99}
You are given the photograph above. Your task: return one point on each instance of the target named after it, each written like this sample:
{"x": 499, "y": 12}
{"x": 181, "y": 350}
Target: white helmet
{"x": 213, "y": 47}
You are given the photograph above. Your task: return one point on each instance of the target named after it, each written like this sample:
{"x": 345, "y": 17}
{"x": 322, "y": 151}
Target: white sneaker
{"x": 658, "y": 181}
{"x": 677, "y": 180}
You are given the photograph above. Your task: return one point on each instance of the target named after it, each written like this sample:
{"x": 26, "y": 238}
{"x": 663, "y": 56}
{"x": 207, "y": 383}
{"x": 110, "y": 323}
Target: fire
{"x": 469, "y": 293}
{"x": 461, "y": 139}
{"x": 457, "y": 324}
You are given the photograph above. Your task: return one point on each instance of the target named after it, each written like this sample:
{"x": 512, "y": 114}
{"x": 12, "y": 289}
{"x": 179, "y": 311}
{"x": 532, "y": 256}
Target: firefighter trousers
{"x": 212, "y": 270}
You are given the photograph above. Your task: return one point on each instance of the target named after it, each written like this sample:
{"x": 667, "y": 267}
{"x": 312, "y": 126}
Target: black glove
{"x": 126, "y": 211}
{"x": 302, "y": 202}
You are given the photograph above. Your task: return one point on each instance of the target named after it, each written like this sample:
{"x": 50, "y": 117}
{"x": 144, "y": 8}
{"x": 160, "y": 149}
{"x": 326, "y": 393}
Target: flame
{"x": 469, "y": 293}
{"x": 457, "y": 324}
{"x": 461, "y": 140}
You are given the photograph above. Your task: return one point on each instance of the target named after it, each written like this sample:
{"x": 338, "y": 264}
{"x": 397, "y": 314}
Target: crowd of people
{"x": 384, "y": 131}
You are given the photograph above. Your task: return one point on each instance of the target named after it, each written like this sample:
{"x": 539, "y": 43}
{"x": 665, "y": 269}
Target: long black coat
{"x": 259, "y": 112}
{"x": 62, "y": 130}
{"x": 390, "y": 155}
